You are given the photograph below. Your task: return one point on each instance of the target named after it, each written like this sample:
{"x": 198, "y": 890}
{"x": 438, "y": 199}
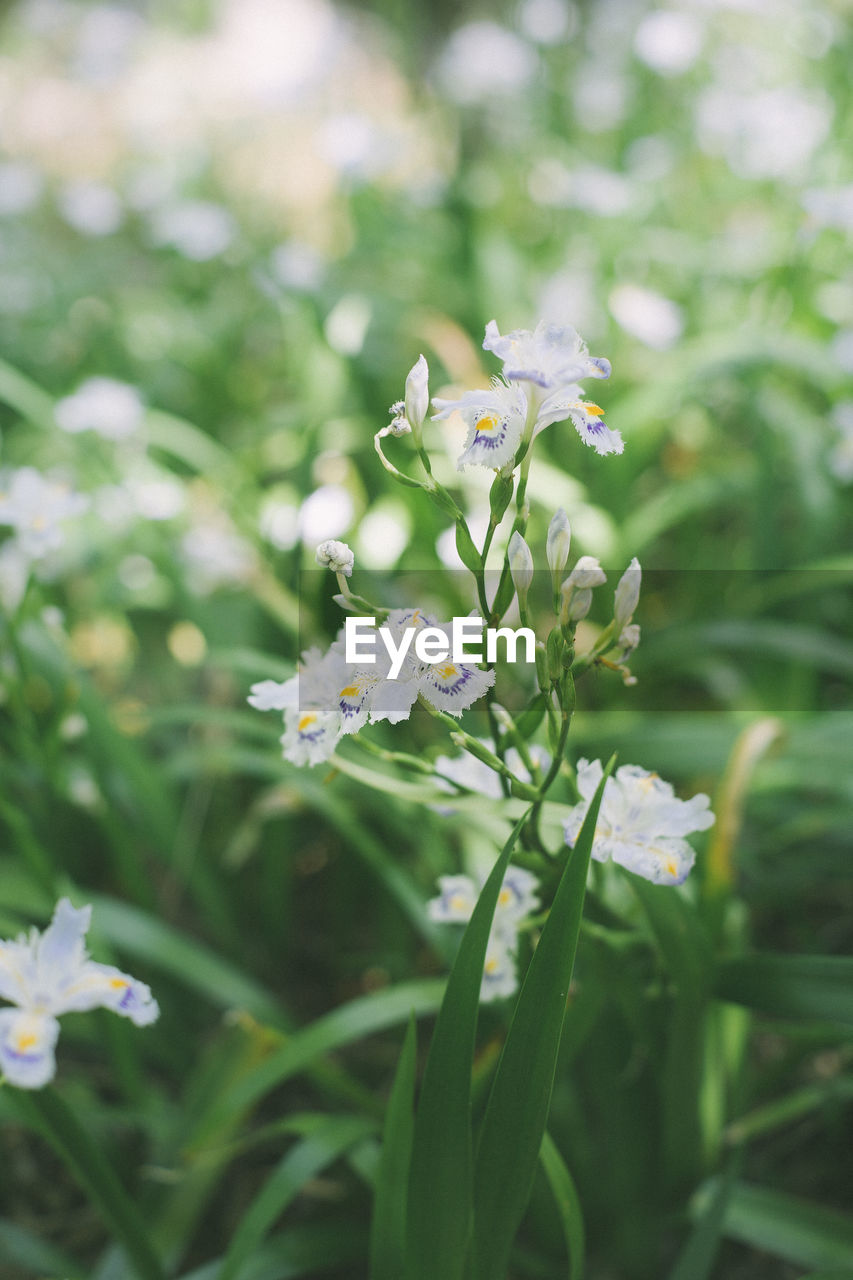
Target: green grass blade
{"x": 47, "y": 1113}
{"x": 308, "y": 1250}
{"x": 388, "y": 1229}
{"x": 352, "y": 1021}
{"x": 806, "y": 1234}
{"x": 696, "y": 1259}
{"x": 302, "y": 1162}
{"x": 790, "y": 986}
{"x": 439, "y": 1205}
{"x": 568, "y": 1205}
{"x": 517, "y": 1110}
{"x": 36, "y": 1257}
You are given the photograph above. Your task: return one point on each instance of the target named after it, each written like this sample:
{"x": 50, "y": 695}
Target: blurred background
{"x": 227, "y": 230}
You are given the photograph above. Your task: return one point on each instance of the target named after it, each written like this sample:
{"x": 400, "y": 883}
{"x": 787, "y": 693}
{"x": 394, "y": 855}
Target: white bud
{"x": 417, "y": 394}
{"x": 520, "y": 564}
{"x": 586, "y": 573}
{"x": 579, "y": 604}
{"x": 628, "y": 640}
{"x": 627, "y": 595}
{"x": 558, "y": 543}
{"x": 336, "y": 556}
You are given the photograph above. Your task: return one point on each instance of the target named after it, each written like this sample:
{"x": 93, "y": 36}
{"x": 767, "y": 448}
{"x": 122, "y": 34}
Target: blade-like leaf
{"x": 439, "y": 1204}
{"x": 517, "y": 1110}
{"x": 388, "y": 1229}
{"x": 806, "y": 1234}
{"x": 790, "y": 986}
{"x": 568, "y": 1205}
{"x": 302, "y": 1162}
{"x": 696, "y": 1259}
{"x": 48, "y": 1114}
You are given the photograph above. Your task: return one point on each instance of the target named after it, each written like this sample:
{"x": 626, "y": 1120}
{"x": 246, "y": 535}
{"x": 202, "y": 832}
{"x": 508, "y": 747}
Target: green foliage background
{"x": 278, "y": 913}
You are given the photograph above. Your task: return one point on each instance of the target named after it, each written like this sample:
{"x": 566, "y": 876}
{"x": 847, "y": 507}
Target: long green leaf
{"x": 388, "y": 1229}
{"x": 568, "y": 1203}
{"x": 48, "y": 1114}
{"x": 790, "y": 986}
{"x": 517, "y": 1110}
{"x": 302, "y": 1163}
{"x": 806, "y": 1234}
{"x": 696, "y": 1259}
{"x": 439, "y": 1206}
{"x": 352, "y": 1021}
{"x": 307, "y": 1250}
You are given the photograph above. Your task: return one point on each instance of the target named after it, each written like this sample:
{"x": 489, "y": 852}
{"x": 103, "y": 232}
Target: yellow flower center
{"x": 447, "y": 672}
{"x": 488, "y": 423}
{"x": 306, "y": 721}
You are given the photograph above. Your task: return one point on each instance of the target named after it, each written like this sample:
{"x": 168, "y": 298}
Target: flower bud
{"x": 627, "y": 595}
{"x": 586, "y": 573}
{"x": 417, "y": 395}
{"x": 579, "y": 604}
{"x": 336, "y": 556}
{"x": 520, "y": 564}
{"x": 558, "y": 542}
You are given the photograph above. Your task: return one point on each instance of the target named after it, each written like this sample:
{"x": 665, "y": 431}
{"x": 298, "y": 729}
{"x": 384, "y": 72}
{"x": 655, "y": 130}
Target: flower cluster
{"x": 539, "y": 385}
{"x": 516, "y": 900}
{"x": 641, "y": 824}
{"x": 47, "y": 974}
{"x": 329, "y": 696}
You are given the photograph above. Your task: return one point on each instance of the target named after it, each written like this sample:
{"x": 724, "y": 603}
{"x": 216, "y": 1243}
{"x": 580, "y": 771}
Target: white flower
{"x": 627, "y": 595}
{"x": 471, "y": 774}
{"x": 113, "y": 409}
{"x": 641, "y": 824}
{"x": 587, "y": 418}
{"x": 516, "y": 899}
{"x": 336, "y": 556}
{"x": 269, "y": 695}
{"x": 586, "y": 573}
{"x": 36, "y": 507}
{"x": 48, "y": 974}
{"x": 495, "y": 421}
{"x": 310, "y": 737}
{"x": 551, "y": 357}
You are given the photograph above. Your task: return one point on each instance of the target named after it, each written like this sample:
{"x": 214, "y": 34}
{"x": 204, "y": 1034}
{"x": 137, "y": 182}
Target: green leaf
{"x": 353, "y": 1021}
{"x": 303, "y": 1162}
{"x": 439, "y": 1205}
{"x": 388, "y": 1229}
{"x": 696, "y": 1259}
{"x": 23, "y": 1249}
{"x": 568, "y": 1205}
{"x": 468, "y": 553}
{"x": 806, "y": 1234}
{"x": 517, "y": 1110}
{"x": 139, "y": 934}
{"x": 46, "y": 1112}
{"x": 790, "y": 986}
{"x": 305, "y": 1250}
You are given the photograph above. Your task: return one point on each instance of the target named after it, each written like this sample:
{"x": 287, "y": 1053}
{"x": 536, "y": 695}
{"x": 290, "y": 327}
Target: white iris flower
{"x": 48, "y": 974}
{"x": 641, "y": 824}
{"x": 495, "y": 420}
{"x": 516, "y": 900}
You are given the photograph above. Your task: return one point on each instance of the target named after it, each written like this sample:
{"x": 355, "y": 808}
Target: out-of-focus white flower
{"x": 14, "y": 575}
{"x": 48, "y": 974}
{"x": 841, "y": 456}
{"x": 495, "y": 420}
{"x": 668, "y": 42}
{"x": 216, "y": 556}
{"x": 641, "y": 824}
{"x": 471, "y": 774}
{"x": 107, "y": 406}
{"x": 771, "y": 133}
{"x": 483, "y": 61}
{"x": 517, "y": 898}
{"x": 197, "y": 229}
{"x": 298, "y": 266}
{"x": 653, "y": 319}
{"x": 327, "y": 511}
{"x": 551, "y": 356}
{"x": 21, "y": 186}
{"x": 627, "y": 595}
{"x": 36, "y": 507}
{"x": 548, "y": 21}
{"x": 336, "y": 556}
{"x": 91, "y": 208}
{"x": 558, "y": 543}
